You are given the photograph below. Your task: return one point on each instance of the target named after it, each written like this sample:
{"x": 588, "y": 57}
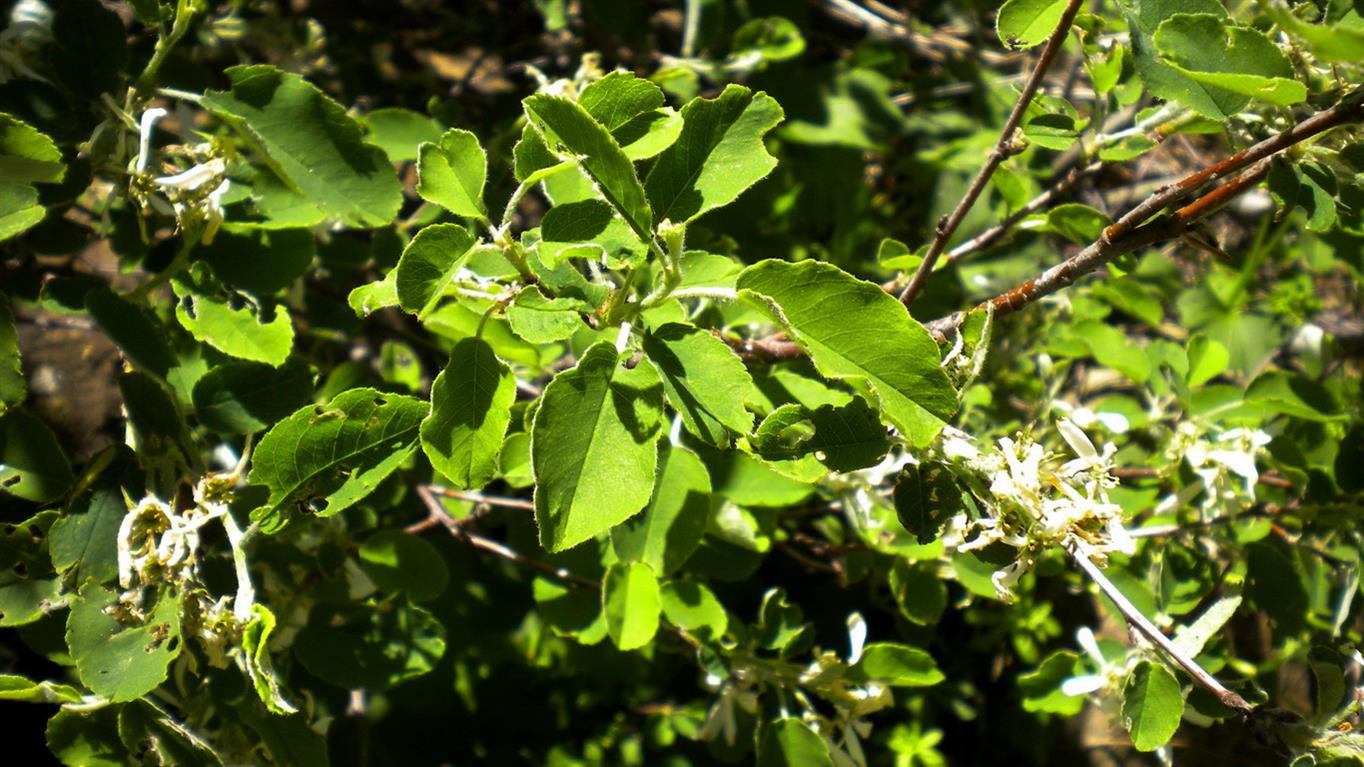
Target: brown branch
{"x": 1132, "y": 232}
{"x": 482, "y": 499}
{"x": 1007, "y": 146}
{"x": 1104, "y": 250}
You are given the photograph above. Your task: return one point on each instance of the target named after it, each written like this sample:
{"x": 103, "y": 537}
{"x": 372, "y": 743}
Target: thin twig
{"x": 488, "y": 500}
{"x": 1007, "y": 146}
{"x": 438, "y": 513}
{"x": 1139, "y": 622}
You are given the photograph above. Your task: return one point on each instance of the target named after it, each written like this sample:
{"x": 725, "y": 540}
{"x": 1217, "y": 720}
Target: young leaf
{"x": 719, "y": 154}
{"x": 632, "y": 110}
{"x": 122, "y": 660}
{"x": 1238, "y": 59}
{"x": 1151, "y": 705}
{"x": 451, "y": 173}
{"x": 429, "y": 265}
{"x": 705, "y": 381}
{"x": 332, "y": 456}
{"x": 1342, "y": 42}
{"x": 310, "y": 142}
{"x": 572, "y": 133}
{"x": 671, "y": 527}
{"x": 631, "y": 604}
{"x": 854, "y": 329}
{"x": 1025, "y": 23}
{"x": 789, "y": 742}
{"x": 470, "y": 409}
{"x": 593, "y": 447}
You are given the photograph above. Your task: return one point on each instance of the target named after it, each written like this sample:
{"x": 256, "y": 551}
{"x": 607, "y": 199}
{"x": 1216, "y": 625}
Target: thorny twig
{"x": 1007, "y": 146}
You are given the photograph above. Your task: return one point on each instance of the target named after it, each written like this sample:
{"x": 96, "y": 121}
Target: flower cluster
{"x": 1036, "y": 504}
{"x": 1224, "y": 464}
{"x": 193, "y": 196}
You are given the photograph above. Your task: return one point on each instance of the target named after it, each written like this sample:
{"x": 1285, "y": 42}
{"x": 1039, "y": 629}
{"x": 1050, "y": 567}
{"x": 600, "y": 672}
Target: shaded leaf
{"x": 471, "y": 404}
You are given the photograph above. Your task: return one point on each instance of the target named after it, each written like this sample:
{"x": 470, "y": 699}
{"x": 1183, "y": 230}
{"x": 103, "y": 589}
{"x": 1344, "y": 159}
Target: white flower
{"x": 144, "y": 137}
{"x": 857, "y": 637}
{"x": 197, "y": 195}
{"x": 1087, "y": 683}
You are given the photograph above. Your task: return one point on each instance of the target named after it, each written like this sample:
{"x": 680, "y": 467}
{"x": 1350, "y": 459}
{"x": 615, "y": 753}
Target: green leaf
{"x": 262, "y": 261}
{"x": 854, "y": 329}
{"x": 247, "y": 331}
{"x": 1151, "y": 705}
{"x": 429, "y": 265}
{"x": 87, "y": 739}
{"x": 1241, "y": 60}
{"x": 593, "y": 447}
{"x": 1192, "y": 638}
{"x": 633, "y": 110}
{"x": 571, "y": 612}
{"x": 248, "y": 397}
{"x": 470, "y": 408}
{"x": 29, "y": 588}
{"x": 843, "y": 438}
{"x": 925, "y": 498}
{"x": 1294, "y": 395}
{"x": 771, "y": 38}
{"x": 704, "y": 379}
{"x": 1112, "y": 349}
{"x": 631, "y": 603}
{"x": 1025, "y": 23}
{"x": 1077, "y": 222}
{"x": 1051, "y": 131}
{"x": 399, "y": 561}
{"x": 671, "y": 526}
{"x": 587, "y": 229}
{"x": 136, "y": 331}
{"x": 117, "y": 657}
{"x": 1342, "y": 41}
{"x": 329, "y": 457}
{"x": 18, "y": 688}
{"x": 399, "y": 132}
{"x": 371, "y": 297}
{"x": 1207, "y": 359}
{"x": 26, "y": 155}
{"x": 13, "y": 389}
{"x": 789, "y": 742}
{"x": 160, "y": 434}
{"x": 542, "y": 320}
{"x": 83, "y": 542}
{"x": 353, "y": 645}
{"x": 569, "y": 131}
{"x": 259, "y": 667}
{"x": 32, "y": 464}
{"x": 719, "y": 154}
{"x": 1164, "y": 81}
{"x": 898, "y": 665}
{"x": 145, "y": 728}
{"x": 1042, "y": 688}
{"x": 19, "y": 209}
{"x": 692, "y": 607}
{"x": 919, "y": 592}
{"x": 451, "y": 173}
{"x": 1308, "y": 185}
{"x": 310, "y": 142}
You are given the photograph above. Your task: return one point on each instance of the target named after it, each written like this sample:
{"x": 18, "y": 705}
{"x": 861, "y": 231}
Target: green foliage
{"x": 355, "y": 387}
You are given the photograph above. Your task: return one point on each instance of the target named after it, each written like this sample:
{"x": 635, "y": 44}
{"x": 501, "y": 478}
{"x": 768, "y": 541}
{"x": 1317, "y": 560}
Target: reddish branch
{"x": 1007, "y": 146}
{"x": 1133, "y": 231}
